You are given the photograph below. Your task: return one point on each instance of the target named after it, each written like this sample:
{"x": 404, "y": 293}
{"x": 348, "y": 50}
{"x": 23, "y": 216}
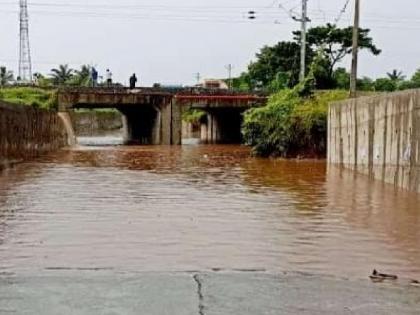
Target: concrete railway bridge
{"x": 154, "y": 116}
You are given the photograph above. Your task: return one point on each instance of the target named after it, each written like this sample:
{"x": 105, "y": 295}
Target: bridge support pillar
{"x": 171, "y": 123}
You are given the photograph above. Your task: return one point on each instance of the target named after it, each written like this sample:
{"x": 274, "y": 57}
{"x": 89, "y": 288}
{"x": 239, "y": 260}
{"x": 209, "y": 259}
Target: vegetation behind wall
{"x": 30, "y": 96}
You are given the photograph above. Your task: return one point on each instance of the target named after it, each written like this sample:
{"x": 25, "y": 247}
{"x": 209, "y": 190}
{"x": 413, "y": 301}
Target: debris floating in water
{"x": 377, "y": 276}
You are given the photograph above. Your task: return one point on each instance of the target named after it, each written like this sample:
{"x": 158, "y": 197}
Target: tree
{"x": 342, "y": 78}
{"x": 283, "y": 59}
{"x": 336, "y": 42}
{"x": 416, "y": 78}
{"x": 62, "y": 74}
{"x": 42, "y": 81}
{"x": 386, "y": 85}
{"x": 82, "y": 76}
{"x": 413, "y": 83}
{"x": 6, "y": 76}
{"x": 396, "y": 75}
{"x": 272, "y": 61}
{"x": 366, "y": 84}
{"x": 242, "y": 83}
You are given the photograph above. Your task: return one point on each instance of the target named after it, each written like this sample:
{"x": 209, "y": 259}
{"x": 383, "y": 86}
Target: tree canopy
{"x": 62, "y": 74}
{"x": 282, "y": 58}
{"x": 337, "y": 42}
{"x": 6, "y": 76}
{"x": 281, "y": 62}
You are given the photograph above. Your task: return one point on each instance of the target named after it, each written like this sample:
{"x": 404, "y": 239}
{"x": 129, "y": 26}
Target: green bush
{"x": 36, "y": 97}
{"x": 290, "y": 125}
{"x": 193, "y": 116}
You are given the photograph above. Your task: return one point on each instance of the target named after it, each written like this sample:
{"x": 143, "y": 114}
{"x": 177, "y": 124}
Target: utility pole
{"x": 197, "y": 77}
{"x": 355, "y": 52}
{"x": 25, "y": 65}
{"x": 304, "y": 20}
{"x": 229, "y": 68}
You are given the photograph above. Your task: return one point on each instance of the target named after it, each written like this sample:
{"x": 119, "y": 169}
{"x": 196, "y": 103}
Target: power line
{"x": 342, "y": 12}
{"x": 131, "y": 6}
{"x": 205, "y": 14}
{"x": 226, "y": 18}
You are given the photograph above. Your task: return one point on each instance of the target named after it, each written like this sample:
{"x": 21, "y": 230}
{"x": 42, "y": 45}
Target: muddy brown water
{"x": 198, "y": 208}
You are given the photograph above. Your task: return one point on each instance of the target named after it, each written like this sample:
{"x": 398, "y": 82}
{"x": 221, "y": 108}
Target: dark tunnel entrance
{"x": 142, "y": 125}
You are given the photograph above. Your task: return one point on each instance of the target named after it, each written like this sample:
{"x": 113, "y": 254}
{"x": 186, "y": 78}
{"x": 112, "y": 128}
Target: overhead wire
{"x": 342, "y": 12}
{"x": 217, "y": 14}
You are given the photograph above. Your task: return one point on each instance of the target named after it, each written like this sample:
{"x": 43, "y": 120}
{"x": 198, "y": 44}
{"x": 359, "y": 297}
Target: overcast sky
{"x": 169, "y": 41}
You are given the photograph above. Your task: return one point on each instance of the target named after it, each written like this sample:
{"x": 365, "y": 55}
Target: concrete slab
{"x": 105, "y": 295}
{"x": 248, "y": 293}
{"x": 239, "y": 293}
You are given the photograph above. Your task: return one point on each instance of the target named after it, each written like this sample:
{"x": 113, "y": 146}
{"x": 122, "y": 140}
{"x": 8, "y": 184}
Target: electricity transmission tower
{"x": 25, "y": 66}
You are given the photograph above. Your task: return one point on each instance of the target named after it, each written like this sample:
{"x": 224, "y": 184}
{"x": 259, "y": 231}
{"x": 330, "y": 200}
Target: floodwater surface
{"x": 199, "y": 208}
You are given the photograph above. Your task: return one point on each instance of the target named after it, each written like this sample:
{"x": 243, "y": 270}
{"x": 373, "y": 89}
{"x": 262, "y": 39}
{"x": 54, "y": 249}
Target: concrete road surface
{"x": 242, "y": 293}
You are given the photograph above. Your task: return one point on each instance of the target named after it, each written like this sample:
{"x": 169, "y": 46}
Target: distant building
{"x": 213, "y": 84}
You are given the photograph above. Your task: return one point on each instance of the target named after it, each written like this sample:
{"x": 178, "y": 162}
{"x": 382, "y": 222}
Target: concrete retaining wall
{"x": 378, "y": 136}
{"x": 26, "y": 132}
{"x": 97, "y": 123}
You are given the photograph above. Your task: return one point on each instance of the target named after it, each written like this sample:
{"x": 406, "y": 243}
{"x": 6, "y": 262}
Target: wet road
{"x": 118, "y": 210}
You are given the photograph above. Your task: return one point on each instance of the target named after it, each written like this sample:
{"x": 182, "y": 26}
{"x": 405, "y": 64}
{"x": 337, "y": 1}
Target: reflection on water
{"x": 201, "y": 207}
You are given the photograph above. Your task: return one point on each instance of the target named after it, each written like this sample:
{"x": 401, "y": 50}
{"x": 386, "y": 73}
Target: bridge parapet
{"x": 197, "y": 97}
{"x": 211, "y": 98}
{"x": 109, "y": 98}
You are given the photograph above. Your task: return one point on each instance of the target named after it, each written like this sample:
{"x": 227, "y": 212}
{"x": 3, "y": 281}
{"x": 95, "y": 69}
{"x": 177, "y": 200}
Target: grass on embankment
{"x": 290, "y": 125}
{"x": 30, "y": 96}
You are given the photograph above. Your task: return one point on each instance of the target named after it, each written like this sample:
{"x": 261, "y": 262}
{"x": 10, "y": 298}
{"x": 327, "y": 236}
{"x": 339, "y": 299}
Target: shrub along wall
{"x": 290, "y": 125}
{"x": 26, "y": 132}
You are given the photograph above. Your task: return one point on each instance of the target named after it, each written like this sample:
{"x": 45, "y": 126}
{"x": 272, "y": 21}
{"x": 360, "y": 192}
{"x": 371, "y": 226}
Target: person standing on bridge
{"x": 94, "y": 75}
{"x": 133, "y": 81}
{"x": 108, "y": 78}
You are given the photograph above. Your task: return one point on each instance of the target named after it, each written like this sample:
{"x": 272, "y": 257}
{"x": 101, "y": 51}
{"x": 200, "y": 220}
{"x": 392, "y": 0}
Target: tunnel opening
{"x": 223, "y": 126}
{"x": 141, "y": 125}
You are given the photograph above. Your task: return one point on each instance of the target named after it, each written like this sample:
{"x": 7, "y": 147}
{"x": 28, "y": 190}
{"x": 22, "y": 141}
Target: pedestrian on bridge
{"x": 108, "y": 78}
{"x": 133, "y": 81}
{"x": 94, "y": 74}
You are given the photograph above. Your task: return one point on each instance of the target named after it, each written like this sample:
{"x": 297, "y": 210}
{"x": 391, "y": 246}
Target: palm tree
{"x": 396, "y": 75}
{"x": 61, "y": 74}
{"x": 82, "y": 76}
{"x": 5, "y": 76}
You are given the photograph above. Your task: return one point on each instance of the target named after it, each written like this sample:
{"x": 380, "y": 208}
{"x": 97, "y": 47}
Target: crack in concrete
{"x": 200, "y": 294}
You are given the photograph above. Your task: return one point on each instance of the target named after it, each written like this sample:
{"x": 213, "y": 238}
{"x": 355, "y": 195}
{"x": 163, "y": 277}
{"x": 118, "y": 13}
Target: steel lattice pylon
{"x": 25, "y": 66}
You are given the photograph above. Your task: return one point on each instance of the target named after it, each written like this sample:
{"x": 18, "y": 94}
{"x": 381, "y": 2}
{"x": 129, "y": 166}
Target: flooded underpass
{"x": 116, "y": 212}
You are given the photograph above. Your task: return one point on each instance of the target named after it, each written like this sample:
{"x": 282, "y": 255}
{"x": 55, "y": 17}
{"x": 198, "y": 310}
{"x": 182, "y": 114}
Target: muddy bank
{"x": 97, "y": 123}
{"x": 26, "y": 132}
